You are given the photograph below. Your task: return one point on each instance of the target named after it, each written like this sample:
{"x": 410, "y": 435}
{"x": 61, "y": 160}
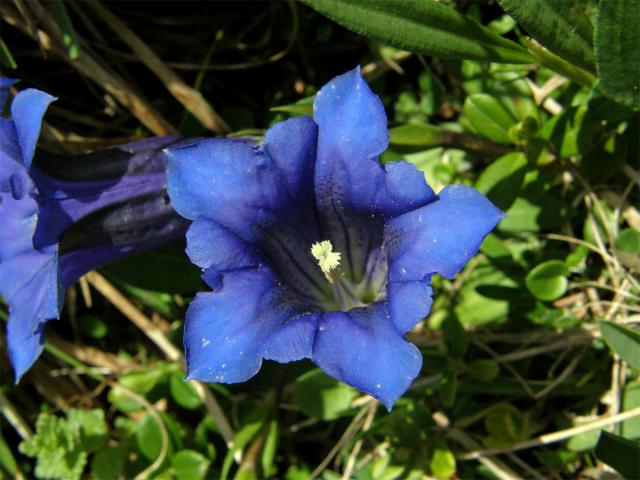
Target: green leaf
{"x": 443, "y": 462}
{"x": 5, "y": 56}
{"x": 91, "y": 426}
{"x": 506, "y": 425}
{"x": 483, "y": 370}
{"x": 183, "y": 392}
{"x": 7, "y": 460}
{"x": 140, "y": 381}
{"x": 627, "y": 248}
{"x": 269, "y": 450}
{"x": 501, "y": 181}
{"x": 455, "y": 336}
{"x": 56, "y": 446}
{"x": 548, "y": 281}
{"x": 93, "y": 326}
{"x": 433, "y": 93}
{"x": 489, "y": 117}
{"x": 422, "y": 26}
{"x": 415, "y": 138}
{"x": 622, "y": 340}
{"x": 303, "y": 107}
{"x": 108, "y": 463}
{"x": 573, "y": 132}
{"x": 616, "y": 48}
{"x": 149, "y": 437}
{"x": 620, "y": 453}
{"x": 319, "y": 395}
{"x": 190, "y": 465}
{"x": 59, "y": 12}
{"x": 448, "y": 389}
{"x": 561, "y": 26}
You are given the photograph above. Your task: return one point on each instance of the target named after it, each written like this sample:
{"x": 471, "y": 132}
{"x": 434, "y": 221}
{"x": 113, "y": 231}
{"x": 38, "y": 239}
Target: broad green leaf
{"x": 622, "y": 340}
{"x": 573, "y": 132}
{"x": 483, "y": 369}
{"x": 422, "y": 26}
{"x": 489, "y": 117}
{"x": 108, "y": 463}
{"x": 620, "y": 453}
{"x": 617, "y": 42}
{"x": 318, "y": 395}
{"x": 548, "y": 281}
{"x": 415, "y": 138}
{"x": 448, "y": 389}
{"x": 93, "y": 326}
{"x": 627, "y": 248}
{"x": 562, "y": 26}
{"x": 501, "y": 181}
{"x": 91, "y": 427}
{"x": 443, "y": 462}
{"x": 493, "y": 247}
{"x": 190, "y": 465}
{"x": 140, "y": 381}
{"x": 506, "y": 425}
{"x": 628, "y": 241}
{"x": 149, "y": 437}
{"x": 455, "y": 336}
{"x": 183, "y": 392}
{"x": 433, "y": 93}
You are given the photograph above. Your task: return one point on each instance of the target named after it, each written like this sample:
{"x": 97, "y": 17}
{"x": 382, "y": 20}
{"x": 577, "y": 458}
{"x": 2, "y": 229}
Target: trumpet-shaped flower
{"x": 314, "y": 249}
{"x": 63, "y": 216}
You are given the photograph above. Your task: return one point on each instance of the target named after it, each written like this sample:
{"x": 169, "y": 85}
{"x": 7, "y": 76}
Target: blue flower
{"x": 314, "y": 249}
{"x": 63, "y": 216}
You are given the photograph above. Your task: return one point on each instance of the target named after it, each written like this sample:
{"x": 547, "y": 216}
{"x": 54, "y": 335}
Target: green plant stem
{"x": 559, "y": 65}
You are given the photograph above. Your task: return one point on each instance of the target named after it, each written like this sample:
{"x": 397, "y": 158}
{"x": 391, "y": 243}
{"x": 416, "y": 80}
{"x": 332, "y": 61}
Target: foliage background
{"x": 536, "y": 339}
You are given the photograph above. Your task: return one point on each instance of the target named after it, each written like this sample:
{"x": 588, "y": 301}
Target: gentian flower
{"x": 314, "y": 249}
{"x": 63, "y": 216}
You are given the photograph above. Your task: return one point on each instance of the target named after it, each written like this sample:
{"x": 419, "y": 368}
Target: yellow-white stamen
{"x": 327, "y": 258}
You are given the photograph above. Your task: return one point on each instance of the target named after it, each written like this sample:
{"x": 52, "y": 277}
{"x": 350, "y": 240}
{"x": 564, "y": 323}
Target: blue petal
{"x": 244, "y": 190}
{"x": 409, "y": 302}
{"x": 31, "y": 285}
{"x": 352, "y": 124}
{"x": 231, "y": 182}
{"x": 363, "y": 349}
{"x": 212, "y": 246}
{"x": 405, "y": 189}
{"x": 227, "y": 332}
{"x": 292, "y": 147}
{"x": 294, "y": 338}
{"x": 27, "y": 110}
{"x": 440, "y": 237}
{"x": 354, "y": 191}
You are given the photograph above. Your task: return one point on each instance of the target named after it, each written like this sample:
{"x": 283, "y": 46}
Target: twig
{"x": 553, "y": 437}
{"x": 499, "y": 469}
{"x": 85, "y": 64}
{"x": 563, "y": 376}
{"x": 191, "y": 99}
{"x": 155, "y": 334}
{"x": 356, "y": 448}
{"x": 346, "y": 436}
{"x": 13, "y": 417}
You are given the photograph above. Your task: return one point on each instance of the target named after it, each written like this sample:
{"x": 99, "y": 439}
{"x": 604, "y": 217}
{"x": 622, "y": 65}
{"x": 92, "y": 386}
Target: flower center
{"x": 346, "y": 293}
